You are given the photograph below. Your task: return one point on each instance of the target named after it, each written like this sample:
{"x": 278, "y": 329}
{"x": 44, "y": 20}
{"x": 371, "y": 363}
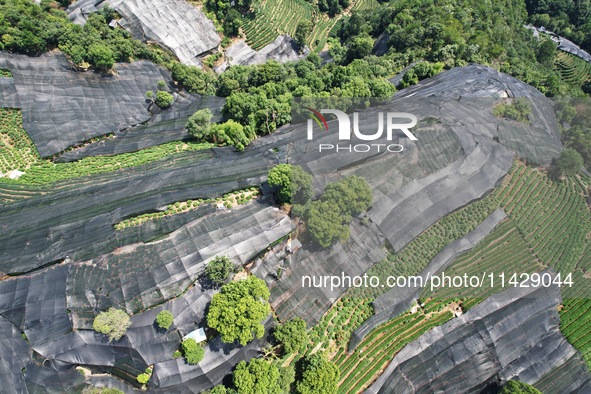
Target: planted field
{"x": 372, "y": 355}
{"x": 553, "y": 217}
{"x": 575, "y": 315}
{"x": 572, "y": 68}
{"x": 416, "y": 255}
{"x": 17, "y": 152}
{"x": 502, "y": 251}
{"x": 548, "y": 225}
{"x": 271, "y": 18}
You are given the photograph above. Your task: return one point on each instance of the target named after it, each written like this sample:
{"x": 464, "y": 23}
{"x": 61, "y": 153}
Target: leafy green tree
{"x": 219, "y": 269}
{"x": 164, "y": 319}
{"x": 518, "y": 387}
{"x": 328, "y": 218}
{"x": 318, "y": 376}
{"x": 292, "y": 335}
{"x": 113, "y": 322}
{"x": 359, "y": 47}
{"x": 286, "y": 379}
{"x": 546, "y": 52}
{"x": 352, "y": 195}
{"x": 569, "y": 162}
{"x": 163, "y": 99}
{"x": 232, "y": 22}
{"x": 230, "y": 133}
{"x": 193, "y": 351}
{"x": 198, "y": 125}
{"x": 220, "y": 389}
{"x": 143, "y": 378}
{"x": 236, "y": 312}
{"x": 303, "y": 30}
{"x": 325, "y": 223}
{"x": 256, "y": 377}
{"x": 193, "y": 79}
{"x": 101, "y": 56}
{"x": 293, "y": 183}
{"x": 77, "y": 54}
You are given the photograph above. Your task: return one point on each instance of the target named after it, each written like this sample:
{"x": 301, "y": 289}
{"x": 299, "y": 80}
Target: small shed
{"x": 198, "y": 335}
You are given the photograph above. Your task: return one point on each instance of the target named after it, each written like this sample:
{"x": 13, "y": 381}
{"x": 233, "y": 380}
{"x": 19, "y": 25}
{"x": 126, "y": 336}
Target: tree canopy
{"x": 303, "y": 29}
{"x": 143, "y": 378}
{"x": 192, "y": 351}
{"x": 256, "y": 377}
{"x": 292, "y": 182}
{"x": 518, "y": 387}
{"x": 164, "y": 319}
{"x": 219, "y": 269}
{"x": 231, "y": 133}
{"x": 328, "y": 218}
{"x": 113, "y": 322}
{"x": 101, "y": 56}
{"x": 238, "y": 310}
{"x": 318, "y": 376}
{"x": 569, "y": 162}
{"x": 292, "y": 335}
{"x": 163, "y": 99}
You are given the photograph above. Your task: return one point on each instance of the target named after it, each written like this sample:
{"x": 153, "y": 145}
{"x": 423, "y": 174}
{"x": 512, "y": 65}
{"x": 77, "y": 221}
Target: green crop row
{"x": 239, "y": 197}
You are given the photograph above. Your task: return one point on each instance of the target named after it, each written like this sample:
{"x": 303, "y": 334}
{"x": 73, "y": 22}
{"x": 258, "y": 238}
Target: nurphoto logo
{"x": 346, "y": 130}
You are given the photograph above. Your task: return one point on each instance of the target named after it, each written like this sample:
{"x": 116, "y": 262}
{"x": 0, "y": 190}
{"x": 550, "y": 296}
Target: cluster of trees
{"x": 569, "y": 18}
{"x": 259, "y": 97}
{"x": 238, "y": 310}
{"x": 518, "y": 109}
{"x": 420, "y": 71}
{"x": 28, "y": 28}
{"x": 144, "y": 377}
{"x": 315, "y": 375}
{"x": 292, "y": 183}
{"x": 458, "y": 33}
{"x": 575, "y": 115}
{"x": 229, "y": 13}
{"x": 333, "y": 7}
{"x": 112, "y": 322}
{"x": 230, "y": 132}
{"x": 163, "y": 99}
{"x": 327, "y": 219}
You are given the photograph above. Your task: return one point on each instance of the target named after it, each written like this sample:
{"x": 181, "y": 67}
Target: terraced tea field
{"x": 540, "y": 214}
{"x": 271, "y": 18}
{"x": 572, "y": 68}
